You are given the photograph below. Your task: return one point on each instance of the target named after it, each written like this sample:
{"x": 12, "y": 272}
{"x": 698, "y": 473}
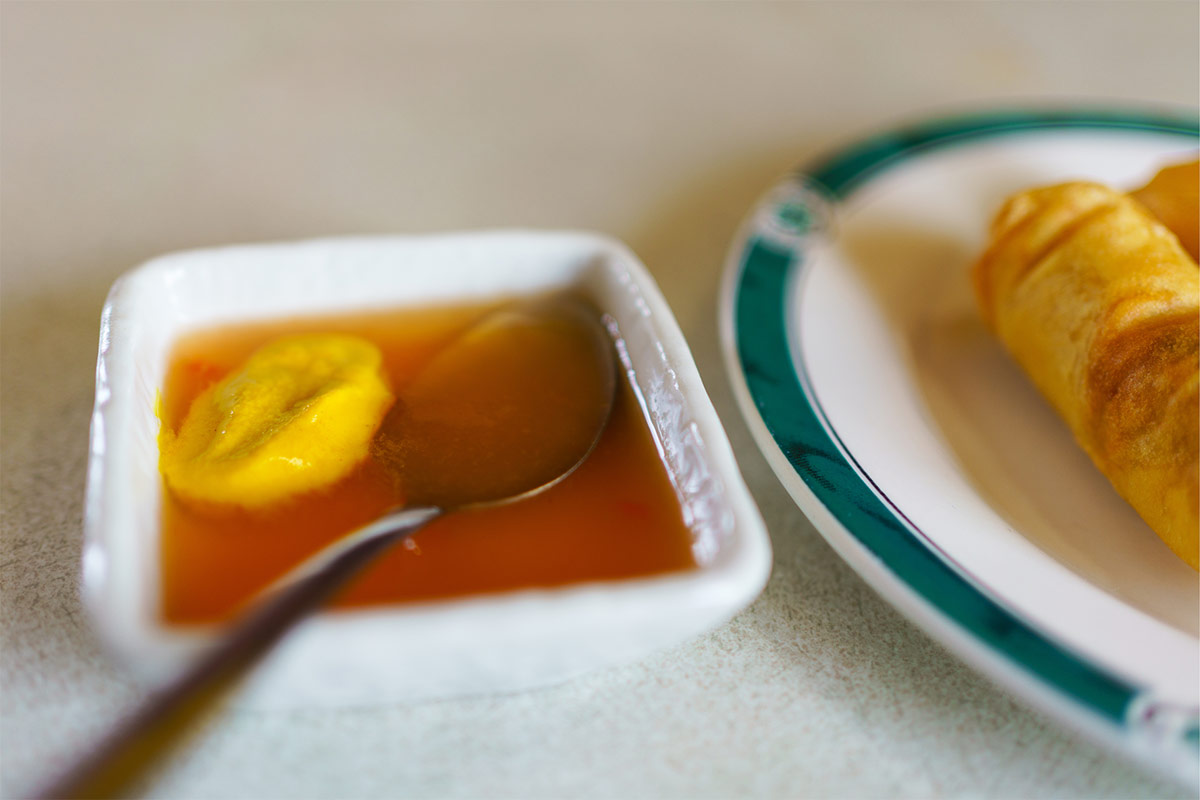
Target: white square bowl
{"x": 491, "y": 643}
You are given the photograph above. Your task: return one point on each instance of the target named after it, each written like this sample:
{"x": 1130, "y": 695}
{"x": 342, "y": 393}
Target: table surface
{"x": 133, "y": 129}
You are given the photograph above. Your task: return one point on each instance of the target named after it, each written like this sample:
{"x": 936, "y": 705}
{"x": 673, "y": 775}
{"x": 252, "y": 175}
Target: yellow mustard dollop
{"x": 297, "y": 416}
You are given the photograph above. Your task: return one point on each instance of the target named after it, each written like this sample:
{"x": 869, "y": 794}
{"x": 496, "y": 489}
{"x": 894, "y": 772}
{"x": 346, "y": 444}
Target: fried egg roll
{"x": 1100, "y": 305}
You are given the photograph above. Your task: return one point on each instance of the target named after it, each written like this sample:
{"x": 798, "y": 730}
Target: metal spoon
{"x": 509, "y": 409}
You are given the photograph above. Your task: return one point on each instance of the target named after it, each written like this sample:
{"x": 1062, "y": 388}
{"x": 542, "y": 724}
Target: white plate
{"x": 923, "y": 454}
{"x": 501, "y": 642}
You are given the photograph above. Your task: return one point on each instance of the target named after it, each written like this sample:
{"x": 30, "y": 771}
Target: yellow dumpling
{"x": 297, "y": 416}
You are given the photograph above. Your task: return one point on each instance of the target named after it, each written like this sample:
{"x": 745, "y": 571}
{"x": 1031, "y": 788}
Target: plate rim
{"x": 766, "y": 257}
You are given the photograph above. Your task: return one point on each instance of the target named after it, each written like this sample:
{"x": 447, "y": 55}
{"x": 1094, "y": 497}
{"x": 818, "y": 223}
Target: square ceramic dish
{"x": 501, "y": 642}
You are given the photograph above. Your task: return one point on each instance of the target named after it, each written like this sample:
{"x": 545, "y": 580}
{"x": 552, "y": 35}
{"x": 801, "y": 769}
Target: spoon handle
{"x": 169, "y": 714}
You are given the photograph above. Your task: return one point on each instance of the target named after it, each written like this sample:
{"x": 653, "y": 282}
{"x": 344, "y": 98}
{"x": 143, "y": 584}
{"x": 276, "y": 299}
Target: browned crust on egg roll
{"x": 1173, "y": 195}
{"x": 1100, "y": 305}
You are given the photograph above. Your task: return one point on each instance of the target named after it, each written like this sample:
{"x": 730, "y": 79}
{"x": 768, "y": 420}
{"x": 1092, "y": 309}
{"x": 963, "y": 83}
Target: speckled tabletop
{"x": 132, "y": 129}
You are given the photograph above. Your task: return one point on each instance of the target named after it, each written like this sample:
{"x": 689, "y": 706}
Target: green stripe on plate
{"x": 842, "y": 172}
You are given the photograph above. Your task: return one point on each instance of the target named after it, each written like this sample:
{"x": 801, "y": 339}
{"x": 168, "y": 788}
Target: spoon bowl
{"x": 510, "y": 408}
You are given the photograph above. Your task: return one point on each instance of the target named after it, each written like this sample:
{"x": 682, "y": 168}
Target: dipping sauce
{"x": 617, "y": 516}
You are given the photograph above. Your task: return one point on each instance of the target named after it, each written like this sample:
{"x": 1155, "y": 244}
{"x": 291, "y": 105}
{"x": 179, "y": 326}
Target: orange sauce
{"x": 616, "y": 517}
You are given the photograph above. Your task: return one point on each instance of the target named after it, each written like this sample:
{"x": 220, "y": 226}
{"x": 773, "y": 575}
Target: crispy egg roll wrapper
{"x": 1173, "y": 195}
{"x": 1100, "y": 305}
